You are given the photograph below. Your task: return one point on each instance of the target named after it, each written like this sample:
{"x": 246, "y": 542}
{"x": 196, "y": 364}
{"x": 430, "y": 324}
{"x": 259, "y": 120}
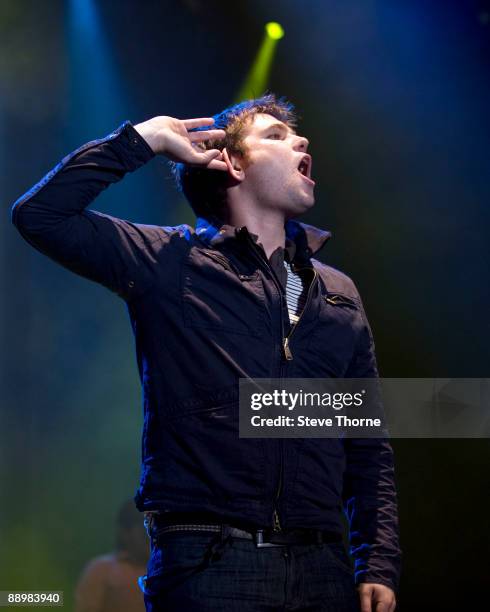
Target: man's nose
{"x": 301, "y": 143}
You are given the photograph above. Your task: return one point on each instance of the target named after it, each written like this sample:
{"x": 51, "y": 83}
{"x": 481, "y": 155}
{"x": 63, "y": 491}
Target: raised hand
{"x": 171, "y": 137}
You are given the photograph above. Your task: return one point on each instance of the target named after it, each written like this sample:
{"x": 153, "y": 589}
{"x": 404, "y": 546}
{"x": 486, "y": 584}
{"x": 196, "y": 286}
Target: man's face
{"x": 277, "y": 172}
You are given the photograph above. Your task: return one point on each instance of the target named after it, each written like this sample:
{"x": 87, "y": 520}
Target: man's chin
{"x": 299, "y": 207}
{"x": 305, "y": 205}
{"x": 292, "y": 214}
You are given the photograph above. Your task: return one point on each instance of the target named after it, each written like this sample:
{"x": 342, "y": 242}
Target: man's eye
{"x": 275, "y": 135}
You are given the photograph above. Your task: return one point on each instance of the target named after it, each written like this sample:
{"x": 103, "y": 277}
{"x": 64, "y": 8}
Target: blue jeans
{"x": 194, "y": 572}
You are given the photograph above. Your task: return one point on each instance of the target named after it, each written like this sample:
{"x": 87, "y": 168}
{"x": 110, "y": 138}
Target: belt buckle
{"x": 260, "y": 543}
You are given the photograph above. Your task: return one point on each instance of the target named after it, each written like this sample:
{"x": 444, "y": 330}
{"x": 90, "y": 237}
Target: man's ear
{"x": 234, "y": 164}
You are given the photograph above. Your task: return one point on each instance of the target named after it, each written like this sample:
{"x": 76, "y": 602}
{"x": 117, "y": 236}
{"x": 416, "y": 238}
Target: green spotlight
{"x": 256, "y": 81}
{"x": 274, "y": 30}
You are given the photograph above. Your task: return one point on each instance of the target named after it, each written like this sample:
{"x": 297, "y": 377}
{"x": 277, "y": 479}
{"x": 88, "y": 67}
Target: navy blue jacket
{"x": 206, "y": 309}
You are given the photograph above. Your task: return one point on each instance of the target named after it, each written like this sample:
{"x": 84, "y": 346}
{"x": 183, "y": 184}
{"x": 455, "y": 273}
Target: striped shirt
{"x": 296, "y": 292}
{"x": 294, "y": 285}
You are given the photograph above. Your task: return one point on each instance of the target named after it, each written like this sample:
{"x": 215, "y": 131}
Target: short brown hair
{"x": 205, "y": 189}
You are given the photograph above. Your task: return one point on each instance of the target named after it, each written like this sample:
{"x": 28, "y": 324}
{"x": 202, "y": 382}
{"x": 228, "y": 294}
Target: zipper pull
{"x": 277, "y": 524}
{"x": 341, "y": 300}
{"x": 287, "y": 351}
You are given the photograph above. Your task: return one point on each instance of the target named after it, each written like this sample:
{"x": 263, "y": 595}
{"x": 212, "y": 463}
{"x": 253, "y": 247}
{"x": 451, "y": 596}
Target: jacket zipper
{"x": 276, "y": 524}
{"x": 340, "y": 300}
{"x": 289, "y": 356}
{"x": 287, "y": 350}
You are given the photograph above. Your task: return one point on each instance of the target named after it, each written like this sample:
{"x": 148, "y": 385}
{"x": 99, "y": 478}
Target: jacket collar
{"x": 308, "y": 239}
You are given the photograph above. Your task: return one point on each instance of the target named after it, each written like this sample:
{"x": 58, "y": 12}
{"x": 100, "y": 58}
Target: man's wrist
{"x": 131, "y": 148}
{"x": 137, "y": 139}
{"x": 147, "y": 134}
{"x": 383, "y": 581}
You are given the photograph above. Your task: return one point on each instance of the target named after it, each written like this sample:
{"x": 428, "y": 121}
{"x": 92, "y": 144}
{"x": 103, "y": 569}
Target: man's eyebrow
{"x": 281, "y": 126}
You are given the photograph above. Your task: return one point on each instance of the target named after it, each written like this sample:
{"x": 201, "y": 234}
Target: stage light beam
{"x": 257, "y": 79}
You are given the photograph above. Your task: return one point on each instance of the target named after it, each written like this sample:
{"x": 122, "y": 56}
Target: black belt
{"x": 157, "y": 526}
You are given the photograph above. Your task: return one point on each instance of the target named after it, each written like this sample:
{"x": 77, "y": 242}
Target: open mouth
{"x": 304, "y": 168}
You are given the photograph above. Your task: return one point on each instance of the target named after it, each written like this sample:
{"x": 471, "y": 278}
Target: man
{"x": 235, "y": 523}
{"x": 110, "y": 582}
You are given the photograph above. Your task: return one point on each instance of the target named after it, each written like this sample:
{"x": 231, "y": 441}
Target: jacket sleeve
{"x": 369, "y": 493}
{"x": 52, "y": 216}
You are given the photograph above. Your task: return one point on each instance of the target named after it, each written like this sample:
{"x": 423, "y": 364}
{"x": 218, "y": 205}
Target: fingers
{"x": 365, "y": 597}
{"x": 206, "y": 135}
{"x": 212, "y": 159}
{"x": 385, "y": 600}
{"x": 194, "y": 123}
{"x": 217, "y": 165}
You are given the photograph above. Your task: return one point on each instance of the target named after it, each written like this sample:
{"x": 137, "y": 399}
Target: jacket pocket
{"x": 216, "y": 295}
{"x": 206, "y": 460}
{"x": 341, "y": 300}
{"x": 227, "y": 264}
{"x": 333, "y": 338}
